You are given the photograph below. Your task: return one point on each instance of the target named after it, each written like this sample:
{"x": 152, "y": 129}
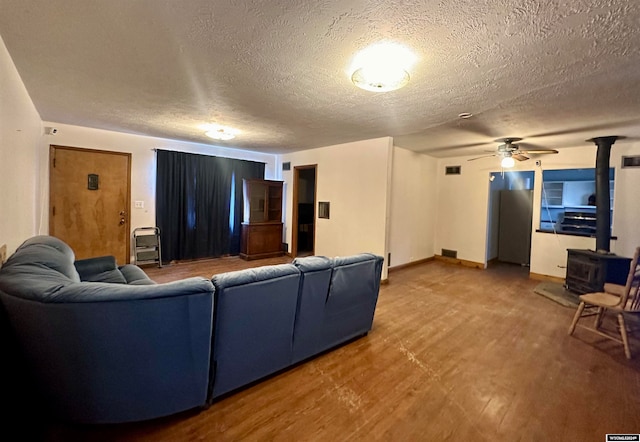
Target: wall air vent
{"x": 286, "y": 166}
{"x": 633, "y": 161}
{"x": 452, "y": 170}
{"x": 449, "y": 253}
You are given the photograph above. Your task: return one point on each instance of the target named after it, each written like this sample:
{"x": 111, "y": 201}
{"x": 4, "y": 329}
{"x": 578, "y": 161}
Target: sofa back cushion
{"x": 353, "y": 294}
{"x": 315, "y": 274}
{"x": 39, "y": 268}
{"x": 48, "y": 251}
{"x": 254, "y": 316}
{"x": 355, "y": 280}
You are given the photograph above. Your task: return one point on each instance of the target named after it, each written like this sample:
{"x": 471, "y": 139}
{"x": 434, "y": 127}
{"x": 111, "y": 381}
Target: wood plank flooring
{"x": 455, "y": 354}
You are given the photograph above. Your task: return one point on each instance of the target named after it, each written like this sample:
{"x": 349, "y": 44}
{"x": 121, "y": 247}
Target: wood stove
{"x": 588, "y": 270}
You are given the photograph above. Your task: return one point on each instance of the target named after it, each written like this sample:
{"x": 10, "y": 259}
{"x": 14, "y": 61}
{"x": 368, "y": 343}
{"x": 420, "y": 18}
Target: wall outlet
{"x": 139, "y": 204}
{"x": 3, "y": 253}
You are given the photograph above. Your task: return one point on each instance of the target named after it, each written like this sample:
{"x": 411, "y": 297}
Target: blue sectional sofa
{"x": 272, "y": 317}
{"x": 105, "y": 344}
{"x": 104, "y": 352}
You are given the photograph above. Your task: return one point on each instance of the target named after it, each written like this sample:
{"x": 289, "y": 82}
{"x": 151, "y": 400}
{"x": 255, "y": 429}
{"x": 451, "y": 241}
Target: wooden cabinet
{"x": 262, "y": 219}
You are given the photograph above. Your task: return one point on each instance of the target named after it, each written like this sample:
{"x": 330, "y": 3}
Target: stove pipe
{"x": 603, "y": 203}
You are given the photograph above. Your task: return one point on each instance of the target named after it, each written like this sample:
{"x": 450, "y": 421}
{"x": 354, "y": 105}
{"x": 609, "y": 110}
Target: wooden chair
{"x": 622, "y": 299}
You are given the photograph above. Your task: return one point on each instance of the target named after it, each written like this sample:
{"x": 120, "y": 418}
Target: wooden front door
{"x": 89, "y": 200}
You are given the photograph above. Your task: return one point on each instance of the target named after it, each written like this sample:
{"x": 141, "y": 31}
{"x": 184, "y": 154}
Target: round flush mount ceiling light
{"x": 218, "y": 132}
{"x": 382, "y": 67}
{"x": 507, "y": 162}
{"x": 465, "y": 115}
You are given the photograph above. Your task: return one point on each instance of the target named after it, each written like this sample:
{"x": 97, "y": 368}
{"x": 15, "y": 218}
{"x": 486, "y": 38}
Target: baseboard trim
{"x": 541, "y": 277}
{"x": 411, "y": 264}
{"x": 464, "y": 262}
{"x": 384, "y": 281}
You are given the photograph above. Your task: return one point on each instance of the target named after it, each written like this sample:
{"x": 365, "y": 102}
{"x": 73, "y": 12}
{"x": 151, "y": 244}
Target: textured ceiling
{"x": 553, "y": 73}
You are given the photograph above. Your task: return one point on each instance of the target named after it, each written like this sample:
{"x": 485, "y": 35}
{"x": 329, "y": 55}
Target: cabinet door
{"x": 553, "y": 194}
{"x": 257, "y": 191}
{"x": 274, "y": 210}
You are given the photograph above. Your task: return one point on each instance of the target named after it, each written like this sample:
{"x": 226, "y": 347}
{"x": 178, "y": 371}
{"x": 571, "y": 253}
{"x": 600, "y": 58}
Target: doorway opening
{"x": 510, "y": 215}
{"x": 304, "y": 203}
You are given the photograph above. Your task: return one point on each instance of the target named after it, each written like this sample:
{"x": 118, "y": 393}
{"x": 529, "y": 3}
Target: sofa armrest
{"x": 101, "y": 292}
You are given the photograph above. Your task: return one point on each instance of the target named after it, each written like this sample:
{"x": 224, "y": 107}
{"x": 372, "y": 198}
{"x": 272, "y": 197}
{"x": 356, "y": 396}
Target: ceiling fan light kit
{"x": 507, "y": 162}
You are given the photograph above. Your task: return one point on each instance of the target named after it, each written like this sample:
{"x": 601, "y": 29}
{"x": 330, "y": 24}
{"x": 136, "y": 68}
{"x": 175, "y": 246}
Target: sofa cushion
{"x": 111, "y": 276}
{"x": 248, "y": 276}
{"x": 355, "y": 281}
{"x": 46, "y": 252}
{"x": 53, "y": 242}
{"x": 134, "y": 275}
{"x": 312, "y": 297}
{"x": 90, "y": 267}
{"x": 312, "y": 263}
{"x": 254, "y": 317}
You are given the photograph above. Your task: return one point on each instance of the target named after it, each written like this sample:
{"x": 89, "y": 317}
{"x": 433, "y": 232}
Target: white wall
{"x": 626, "y": 200}
{"x": 462, "y": 207}
{"x": 20, "y": 141}
{"x": 354, "y": 178}
{"x": 413, "y": 206}
{"x": 143, "y": 162}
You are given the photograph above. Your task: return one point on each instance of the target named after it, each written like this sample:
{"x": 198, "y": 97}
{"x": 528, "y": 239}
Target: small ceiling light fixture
{"x": 465, "y": 115}
{"x": 219, "y": 132}
{"x": 507, "y": 162}
{"x": 382, "y": 67}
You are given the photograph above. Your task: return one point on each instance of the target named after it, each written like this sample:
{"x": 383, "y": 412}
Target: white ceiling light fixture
{"x": 219, "y": 132}
{"x": 382, "y": 67}
{"x": 507, "y": 162}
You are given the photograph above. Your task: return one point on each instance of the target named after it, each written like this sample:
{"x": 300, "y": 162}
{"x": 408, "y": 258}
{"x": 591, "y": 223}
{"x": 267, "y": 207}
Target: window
{"x": 568, "y": 201}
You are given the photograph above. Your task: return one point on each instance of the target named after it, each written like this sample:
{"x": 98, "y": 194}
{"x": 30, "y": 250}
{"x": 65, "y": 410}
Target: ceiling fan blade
{"x": 540, "y": 151}
{"x": 519, "y": 157}
{"x": 483, "y": 156}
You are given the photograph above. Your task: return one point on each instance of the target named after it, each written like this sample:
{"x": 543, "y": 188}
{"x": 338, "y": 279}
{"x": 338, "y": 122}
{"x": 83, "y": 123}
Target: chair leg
{"x": 598, "y": 321}
{"x": 623, "y": 334}
{"x": 576, "y": 318}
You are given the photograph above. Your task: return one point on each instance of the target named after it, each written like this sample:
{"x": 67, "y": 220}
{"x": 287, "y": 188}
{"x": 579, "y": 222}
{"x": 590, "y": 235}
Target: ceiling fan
{"x": 509, "y": 152}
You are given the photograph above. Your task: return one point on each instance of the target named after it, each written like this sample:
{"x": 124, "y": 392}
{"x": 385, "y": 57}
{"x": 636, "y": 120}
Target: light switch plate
{"x": 139, "y": 205}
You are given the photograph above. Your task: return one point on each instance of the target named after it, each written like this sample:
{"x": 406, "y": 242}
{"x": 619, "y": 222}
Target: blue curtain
{"x": 196, "y": 211}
